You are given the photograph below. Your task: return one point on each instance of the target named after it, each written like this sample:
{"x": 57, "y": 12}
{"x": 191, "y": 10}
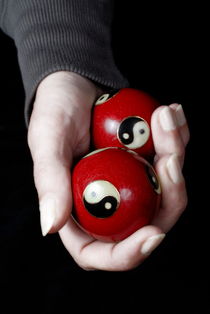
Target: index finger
{"x": 167, "y": 131}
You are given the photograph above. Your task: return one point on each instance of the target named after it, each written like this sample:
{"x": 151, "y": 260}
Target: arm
{"x": 62, "y": 35}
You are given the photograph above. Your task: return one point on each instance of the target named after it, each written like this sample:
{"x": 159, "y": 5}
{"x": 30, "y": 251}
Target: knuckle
{"x": 181, "y": 151}
{"x": 40, "y": 167}
{"x": 41, "y": 171}
{"x": 88, "y": 268}
{"x": 123, "y": 264}
{"x": 33, "y": 131}
{"x": 30, "y": 138}
{"x": 83, "y": 264}
{"x": 181, "y": 204}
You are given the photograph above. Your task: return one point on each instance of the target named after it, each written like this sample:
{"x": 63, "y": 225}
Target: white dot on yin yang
{"x": 108, "y": 205}
{"x": 125, "y": 136}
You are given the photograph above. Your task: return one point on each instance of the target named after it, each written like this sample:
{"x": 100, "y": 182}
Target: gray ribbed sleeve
{"x": 53, "y": 35}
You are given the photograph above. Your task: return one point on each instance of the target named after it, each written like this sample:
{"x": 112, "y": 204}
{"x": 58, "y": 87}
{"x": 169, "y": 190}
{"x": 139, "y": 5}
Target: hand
{"x": 171, "y": 135}
{"x": 58, "y": 131}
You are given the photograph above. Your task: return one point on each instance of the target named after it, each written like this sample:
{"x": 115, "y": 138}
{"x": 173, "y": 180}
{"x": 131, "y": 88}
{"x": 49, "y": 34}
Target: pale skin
{"x": 59, "y": 130}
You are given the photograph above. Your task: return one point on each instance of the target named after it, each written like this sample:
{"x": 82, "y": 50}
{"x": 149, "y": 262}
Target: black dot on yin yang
{"x": 105, "y": 97}
{"x": 102, "y": 209}
{"x": 125, "y": 131}
{"x": 142, "y": 131}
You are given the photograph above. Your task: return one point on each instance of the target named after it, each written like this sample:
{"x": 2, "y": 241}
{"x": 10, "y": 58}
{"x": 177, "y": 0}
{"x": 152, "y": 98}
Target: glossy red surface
{"x": 127, "y": 184}
{"x": 111, "y": 128}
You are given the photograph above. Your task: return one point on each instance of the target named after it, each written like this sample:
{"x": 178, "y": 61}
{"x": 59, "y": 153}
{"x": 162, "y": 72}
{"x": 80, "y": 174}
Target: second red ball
{"x": 124, "y": 120}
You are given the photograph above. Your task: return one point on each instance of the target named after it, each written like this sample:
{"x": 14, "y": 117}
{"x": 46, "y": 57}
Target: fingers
{"x": 170, "y": 131}
{"x": 170, "y": 138}
{"x": 174, "y": 195}
{"x": 93, "y": 254}
{"x": 171, "y": 135}
{"x": 181, "y": 122}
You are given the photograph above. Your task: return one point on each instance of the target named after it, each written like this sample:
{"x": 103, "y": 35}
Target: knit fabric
{"x": 55, "y": 35}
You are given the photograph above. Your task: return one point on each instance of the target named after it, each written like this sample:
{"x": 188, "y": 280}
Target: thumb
{"x": 53, "y": 184}
{"x": 51, "y": 153}
{"x": 58, "y": 129}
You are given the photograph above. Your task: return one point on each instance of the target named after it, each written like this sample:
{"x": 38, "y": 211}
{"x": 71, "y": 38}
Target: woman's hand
{"x": 59, "y": 131}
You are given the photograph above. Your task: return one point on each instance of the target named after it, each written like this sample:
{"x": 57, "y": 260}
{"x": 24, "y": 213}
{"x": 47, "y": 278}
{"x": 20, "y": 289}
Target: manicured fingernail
{"x": 167, "y": 119}
{"x": 180, "y": 116}
{"x": 47, "y": 214}
{"x": 174, "y": 169}
{"x": 151, "y": 243}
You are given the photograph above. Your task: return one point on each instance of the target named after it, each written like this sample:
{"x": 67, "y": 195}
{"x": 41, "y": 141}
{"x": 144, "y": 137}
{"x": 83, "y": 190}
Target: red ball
{"x": 124, "y": 120}
{"x": 115, "y": 192}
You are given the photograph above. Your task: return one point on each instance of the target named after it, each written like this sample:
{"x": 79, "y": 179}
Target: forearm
{"x": 54, "y": 35}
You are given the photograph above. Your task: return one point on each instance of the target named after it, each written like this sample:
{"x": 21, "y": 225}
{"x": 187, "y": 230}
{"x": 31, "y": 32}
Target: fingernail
{"x": 174, "y": 169}
{"x": 180, "y": 116}
{"x": 47, "y": 214}
{"x": 167, "y": 119}
{"x": 151, "y": 243}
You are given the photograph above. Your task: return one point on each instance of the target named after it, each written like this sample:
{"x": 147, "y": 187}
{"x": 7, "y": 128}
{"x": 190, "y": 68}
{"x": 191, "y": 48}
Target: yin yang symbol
{"x": 102, "y": 99}
{"x": 133, "y": 132}
{"x": 153, "y": 179}
{"x": 105, "y": 97}
{"x": 101, "y": 198}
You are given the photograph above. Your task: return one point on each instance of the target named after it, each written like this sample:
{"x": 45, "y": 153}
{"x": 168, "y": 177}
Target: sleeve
{"x": 54, "y": 35}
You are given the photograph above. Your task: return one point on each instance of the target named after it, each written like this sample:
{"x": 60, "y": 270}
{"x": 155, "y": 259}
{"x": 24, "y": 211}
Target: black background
{"x": 163, "y": 51}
